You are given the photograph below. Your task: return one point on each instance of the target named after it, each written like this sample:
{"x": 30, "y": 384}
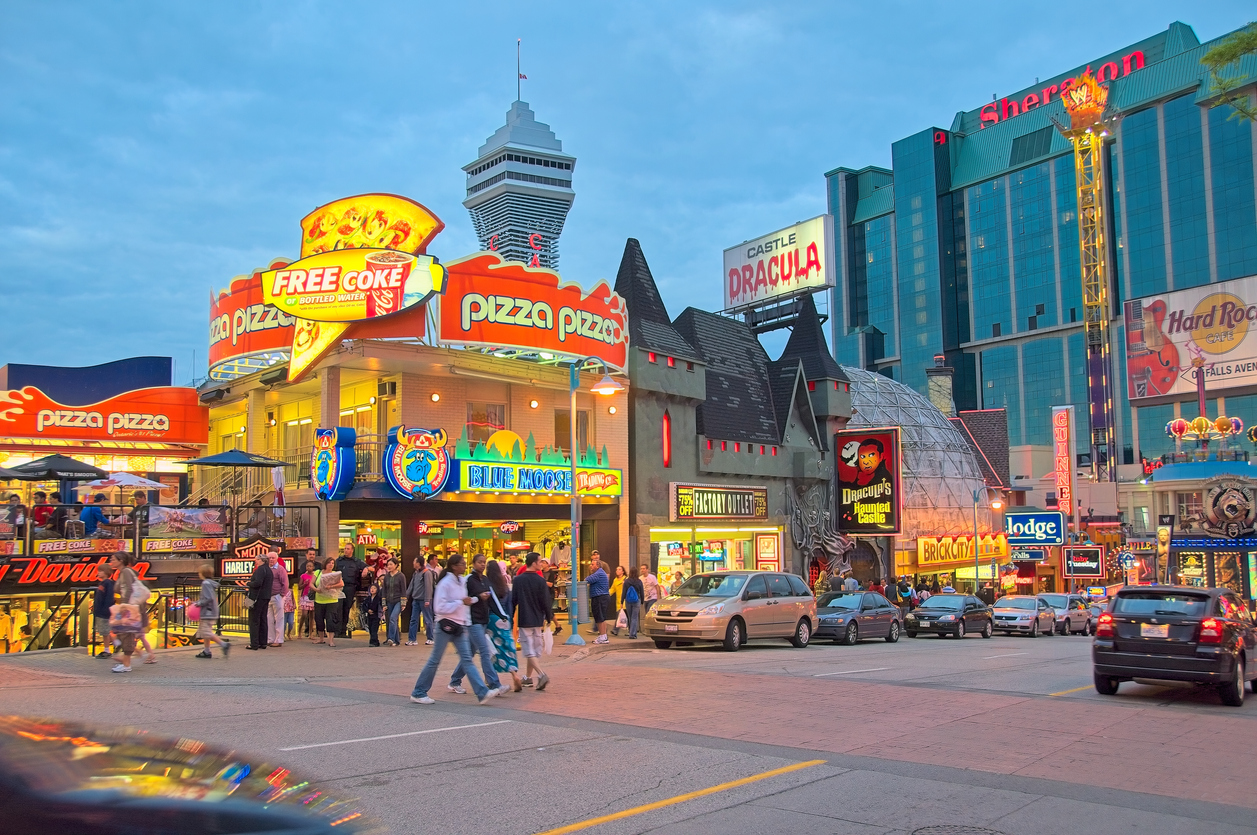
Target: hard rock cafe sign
{"x": 1229, "y": 507}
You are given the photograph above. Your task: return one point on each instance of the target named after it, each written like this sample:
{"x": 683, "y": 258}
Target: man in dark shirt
{"x": 532, "y": 602}
{"x": 478, "y": 632}
{"x": 101, "y": 602}
{"x": 350, "y": 572}
{"x": 599, "y": 598}
{"x": 260, "y": 593}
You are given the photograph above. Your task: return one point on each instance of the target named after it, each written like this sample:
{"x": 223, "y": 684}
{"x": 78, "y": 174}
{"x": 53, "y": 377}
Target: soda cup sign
{"x": 352, "y": 285}
{"x": 391, "y": 269}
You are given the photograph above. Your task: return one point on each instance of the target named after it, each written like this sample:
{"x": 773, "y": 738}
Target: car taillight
{"x": 1211, "y": 631}
{"x": 1104, "y": 629}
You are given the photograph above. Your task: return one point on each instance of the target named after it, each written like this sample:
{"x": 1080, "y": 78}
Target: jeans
{"x": 429, "y": 618}
{"x": 649, "y": 603}
{"x": 631, "y": 608}
{"x": 393, "y": 632}
{"x": 462, "y": 645}
{"x": 479, "y": 635}
{"x": 418, "y": 607}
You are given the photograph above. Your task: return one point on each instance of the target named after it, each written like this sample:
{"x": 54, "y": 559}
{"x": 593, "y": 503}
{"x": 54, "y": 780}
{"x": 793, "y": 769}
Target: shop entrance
{"x": 690, "y": 550}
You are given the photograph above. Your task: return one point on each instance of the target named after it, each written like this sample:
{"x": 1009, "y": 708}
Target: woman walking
{"x": 208, "y": 603}
{"x": 328, "y": 592}
{"x": 305, "y": 588}
{"x": 123, "y": 628}
{"x": 453, "y": 612}
{"x": 501, "y": 618}
{"x": 617, "y": 597}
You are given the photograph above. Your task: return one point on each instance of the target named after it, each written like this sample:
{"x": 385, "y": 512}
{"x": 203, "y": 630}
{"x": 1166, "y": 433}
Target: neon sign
{"x": 333, "y": 464}
{"x": 417, "y": 462}
{"x": 996, "y": 112}
{"x": 1063, "y": 456}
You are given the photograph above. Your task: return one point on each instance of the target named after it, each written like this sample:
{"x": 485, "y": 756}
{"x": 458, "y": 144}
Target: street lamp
{"x": 997, "y": 503}
{"x": 606, "y": 387}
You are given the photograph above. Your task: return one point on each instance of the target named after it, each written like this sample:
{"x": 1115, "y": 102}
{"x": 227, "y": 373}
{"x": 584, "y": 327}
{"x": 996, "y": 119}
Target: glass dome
{"x": 940, "y": 472}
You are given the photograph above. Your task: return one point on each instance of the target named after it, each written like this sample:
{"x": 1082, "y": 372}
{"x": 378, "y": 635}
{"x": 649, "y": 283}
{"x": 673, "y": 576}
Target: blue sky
{"x": 149, "y": 152}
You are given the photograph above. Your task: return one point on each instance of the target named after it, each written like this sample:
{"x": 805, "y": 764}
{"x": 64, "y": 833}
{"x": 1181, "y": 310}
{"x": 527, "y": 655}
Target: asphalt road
{"x": 691, "y": 740}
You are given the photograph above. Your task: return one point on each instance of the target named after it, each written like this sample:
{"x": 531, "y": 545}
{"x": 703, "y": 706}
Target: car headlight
{"x": 948, "y": 617}
{"x": 714, "y": 609}
{"x": 830, "y": 620}
{"x": 1024, "y": 617}
{"x": 911, "y": 617}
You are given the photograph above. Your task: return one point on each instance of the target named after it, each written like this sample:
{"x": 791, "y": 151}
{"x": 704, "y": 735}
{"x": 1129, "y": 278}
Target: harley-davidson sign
{"x": 39, "y": 574}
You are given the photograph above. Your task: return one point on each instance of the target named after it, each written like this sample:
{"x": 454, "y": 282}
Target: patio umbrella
{"x": 8, "y": 475}
{"x": 127, "y": 481}
{"x": 57, "y": 468}
{"x": 236, "y": 459}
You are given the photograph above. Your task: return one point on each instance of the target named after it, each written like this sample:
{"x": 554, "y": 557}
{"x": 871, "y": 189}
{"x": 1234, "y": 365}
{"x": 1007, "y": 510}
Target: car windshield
{"x": 840, "y": 600}
{"x": 1015, "y": 603}
{"x": 1161, "y": 603}
{"x": 953, "y": 604}
{"x": 1056, "y": 601}
{"x": 712, "y": 585}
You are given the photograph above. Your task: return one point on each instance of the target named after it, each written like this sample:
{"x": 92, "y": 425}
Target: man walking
{"x": 260, "y": 593}
{"x": 599, "y": 598}
{"x": 393, "y": 587}
{"x": 350, "y": 573}
{"x": 279, "y": 588}
{"x": 651, "y": 584}
{"x": 478, "y": 631}
{"x": 634, "y": 591}
{"x": 532, "y": 602}
{"x": 418, "y": 592}
{"x": 892, "y": 594}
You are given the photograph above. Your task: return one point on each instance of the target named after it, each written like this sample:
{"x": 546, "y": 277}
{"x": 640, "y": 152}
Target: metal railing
{"x": 369, "y": 451}
{"x": 1191, "y": 455}
{"x": 68, "y": 624}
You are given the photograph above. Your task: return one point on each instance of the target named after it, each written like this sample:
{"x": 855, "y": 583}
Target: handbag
{"x": 449, "y": 627}
{"x": 547, "y": 641}
{"x": 621, "y": 620}
{"x": 248, "y": 602}
{"x": 504, "y": 622}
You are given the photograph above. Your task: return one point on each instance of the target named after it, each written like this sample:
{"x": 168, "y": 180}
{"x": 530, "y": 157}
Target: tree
{"x": 1228, "y": 53}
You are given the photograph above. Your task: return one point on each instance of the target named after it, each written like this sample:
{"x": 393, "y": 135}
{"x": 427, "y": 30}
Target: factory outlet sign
{"x": 505, "y": 477}
{"x": 717, "y": 501}
{"x": 165, "y": 414}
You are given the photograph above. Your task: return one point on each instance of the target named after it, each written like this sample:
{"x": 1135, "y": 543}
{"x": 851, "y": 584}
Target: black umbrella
{"x": 8, "y": 475}
{"x": 236, "y": 458}
{"x": 57, "y": 468}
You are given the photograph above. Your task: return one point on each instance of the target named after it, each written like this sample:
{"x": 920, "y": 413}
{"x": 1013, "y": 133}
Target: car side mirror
{"x": 754, "y": 595}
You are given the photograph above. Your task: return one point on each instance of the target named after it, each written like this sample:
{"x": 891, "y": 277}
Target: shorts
{"x": 128, "y": 642}
{"x": 205, "y": 629}
{"x": 598, "y": 607}
{"x": 102, "y": 627}
{"x": 530, "y": 641}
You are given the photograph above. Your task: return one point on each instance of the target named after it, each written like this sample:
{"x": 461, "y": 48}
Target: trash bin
{"x": 582, "y": 603}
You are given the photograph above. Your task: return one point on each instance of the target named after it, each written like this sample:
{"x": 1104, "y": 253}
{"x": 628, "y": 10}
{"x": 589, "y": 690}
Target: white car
{"x": 1023, "y": 613}
{"x": 1073, "y": 615}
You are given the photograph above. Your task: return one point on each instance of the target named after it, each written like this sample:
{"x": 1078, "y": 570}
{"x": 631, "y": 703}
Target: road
{"x": 993, "y": 736}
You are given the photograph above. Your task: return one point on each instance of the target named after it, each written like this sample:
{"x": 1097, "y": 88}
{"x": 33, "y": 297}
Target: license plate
{"x": 669, "y": 627}
{"x": 1154, "y": 630}
{"x": 924, "y": 622}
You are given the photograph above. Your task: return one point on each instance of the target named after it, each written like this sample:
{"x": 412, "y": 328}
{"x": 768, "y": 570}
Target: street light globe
{"x": 607, "y": 386}
{"x": 997, "y": 504}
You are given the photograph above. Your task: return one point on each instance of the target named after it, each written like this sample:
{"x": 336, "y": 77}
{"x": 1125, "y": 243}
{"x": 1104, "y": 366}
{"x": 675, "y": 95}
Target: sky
{"x": 150, "y": 152}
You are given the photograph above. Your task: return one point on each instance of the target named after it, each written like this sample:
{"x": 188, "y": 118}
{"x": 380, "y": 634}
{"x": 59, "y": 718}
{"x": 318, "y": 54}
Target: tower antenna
{"x": 518, "y": 75}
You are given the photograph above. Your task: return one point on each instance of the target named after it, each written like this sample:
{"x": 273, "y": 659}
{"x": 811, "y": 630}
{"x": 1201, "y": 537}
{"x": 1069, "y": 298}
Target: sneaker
{"x": 412, "y": 643}
{"x": 602, "y": 640}
{"x": 428, "y": 643}
{"x": 388, "y": 642}
{"x": 152, "y": 659}
{"x": 118, "y": 668}
{"x": 104, "y": 654}
{"x": 527, "y": 682}
{"x": 202, "y": 654}
{"x": 542, "y": 681}
{"x": 226, "y": 648}
{"x": 454, "y": 688}
{"x": 504, "y": 689}
{"x": 422, "y": 700}
{"x": 492, "y": 694}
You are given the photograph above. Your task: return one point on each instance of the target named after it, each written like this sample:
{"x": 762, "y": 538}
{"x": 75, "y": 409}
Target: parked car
{"x": 1175, "y": 633}
{"x": 850, "y": 616}
{"x": 732, "y": 607}
{"x": 950, "y": 614}
{"x": 1073, "y": 615}
{"x": 1024, "y": 613}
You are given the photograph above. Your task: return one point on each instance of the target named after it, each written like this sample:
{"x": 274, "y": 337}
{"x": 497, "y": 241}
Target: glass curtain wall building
{"x": 969, "y": 246}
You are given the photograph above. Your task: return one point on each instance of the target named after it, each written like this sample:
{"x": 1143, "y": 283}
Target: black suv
{"x": 1173, "y": 633}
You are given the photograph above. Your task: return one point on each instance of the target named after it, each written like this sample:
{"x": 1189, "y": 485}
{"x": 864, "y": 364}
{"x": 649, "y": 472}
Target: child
{"x": 374, "y": 602}
{"x": 100, "y": 608}
{"x": 209, "y": 613}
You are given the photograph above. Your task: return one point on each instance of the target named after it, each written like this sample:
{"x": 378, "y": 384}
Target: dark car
{"x": 1174, "y": 633}
{"x": 950, "y": 614}
{"x": 850, "y": 616}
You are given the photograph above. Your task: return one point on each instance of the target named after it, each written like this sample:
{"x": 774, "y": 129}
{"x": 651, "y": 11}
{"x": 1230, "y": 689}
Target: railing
{"x": 1192, "y": 455}
{"x": 69, "y": 623}
{"x": 233, "y": 618}
{"x": 369, "y": 451}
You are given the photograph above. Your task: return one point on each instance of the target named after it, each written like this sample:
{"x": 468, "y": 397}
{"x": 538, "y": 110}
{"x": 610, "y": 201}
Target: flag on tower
{"x": 521, "y": 75}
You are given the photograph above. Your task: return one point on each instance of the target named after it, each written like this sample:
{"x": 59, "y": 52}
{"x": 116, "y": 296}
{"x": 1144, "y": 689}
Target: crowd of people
{"x": 905, "y": 591}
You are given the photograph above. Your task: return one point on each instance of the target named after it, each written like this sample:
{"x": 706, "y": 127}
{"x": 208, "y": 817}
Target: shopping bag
{"x": 547, "y": 641}
{"x": 621, "y": 620}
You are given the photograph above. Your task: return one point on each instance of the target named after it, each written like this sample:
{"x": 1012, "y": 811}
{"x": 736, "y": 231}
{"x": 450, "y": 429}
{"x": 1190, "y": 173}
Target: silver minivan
{"x": 732, "y": 607}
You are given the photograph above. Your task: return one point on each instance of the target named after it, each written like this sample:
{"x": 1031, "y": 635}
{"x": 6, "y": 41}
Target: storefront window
{"x": 563, "y": 429}
{"x": 483, "y": 419}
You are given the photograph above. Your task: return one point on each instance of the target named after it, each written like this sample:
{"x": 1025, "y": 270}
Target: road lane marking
{"x": 395, "y": 736}
{"x": 1075, "y": 690}
{"x": 1009, "y": 655}
{"x": 680, "y": 798}
{"x": 849, "y": 672}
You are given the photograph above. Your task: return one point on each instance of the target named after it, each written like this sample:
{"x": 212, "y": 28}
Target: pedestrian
{"x": 208, "y": 603}
{"x": 923, "y": 594}
{"x": 433, "y": 570}
{"x": 416, "y": 594}
{"x": 501, "y": 618}
{"x": 634, "y": 592}
{"x": 393, "y": 588}
{"x": 126, "y": 618}
{"x": 479, "y": 590}
{"x": 371, "y": 606}
{"x": 535, "y": 610}
{"x": 328, "y": 588}
{"x": 350, "y": 573}
{"x": 651, "y": 584}
{"x": 275, "y": 622}
{"x": 935, "y": 588}
{"x": 452, "y": 606}
{"x": 599, "y": 598}
{"x": 102, "y": 601}
{"x": 259, "y": 591}
{"x": 851, "y": 583}
{"x": 617, "y": 597}
{"x": 892, "y": 594}
{"x": 305, "y": 595}
{"x": 987, "y": 595}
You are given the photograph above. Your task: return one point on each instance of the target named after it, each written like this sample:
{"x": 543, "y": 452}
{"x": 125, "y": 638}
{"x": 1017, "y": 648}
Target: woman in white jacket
{"x": 453, "y": 615}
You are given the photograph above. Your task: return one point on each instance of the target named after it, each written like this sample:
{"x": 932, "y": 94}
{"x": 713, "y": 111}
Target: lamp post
{"x": 606, "y": 387}
{"x": 996, "y": 504}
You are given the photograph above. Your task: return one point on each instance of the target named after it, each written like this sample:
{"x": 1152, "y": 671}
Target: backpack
{"x": 630, "y": 596}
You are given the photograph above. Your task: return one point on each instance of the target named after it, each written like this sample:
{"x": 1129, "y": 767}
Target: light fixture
{"x": 997, "y": 504}
{"x": 532, "y": 404}
{"x": 435, "y": 397}
{"x": 372, "y": 400}
{"x": 611, "y": 410}
{"x": 607, "y": 386}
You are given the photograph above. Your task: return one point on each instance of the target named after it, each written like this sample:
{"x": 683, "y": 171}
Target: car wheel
{"x": 893, "y": 635}
{"x": 802, "y": 634}
{"x": 1089, "y": 629}
{"x": 1232, "y": 693}
{"x": 852, "y": 634}
{"x": 988, "y": 630}
{"x": 960, "y": 629}
{"x": 733, "y": 635}
{"x": 1034, "y": 629}
{"x": 911, "y": 634}
{"x": 663, "y": 644}
{"x": 1105, "y": 685}
{"x": 1063, "y": 629}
